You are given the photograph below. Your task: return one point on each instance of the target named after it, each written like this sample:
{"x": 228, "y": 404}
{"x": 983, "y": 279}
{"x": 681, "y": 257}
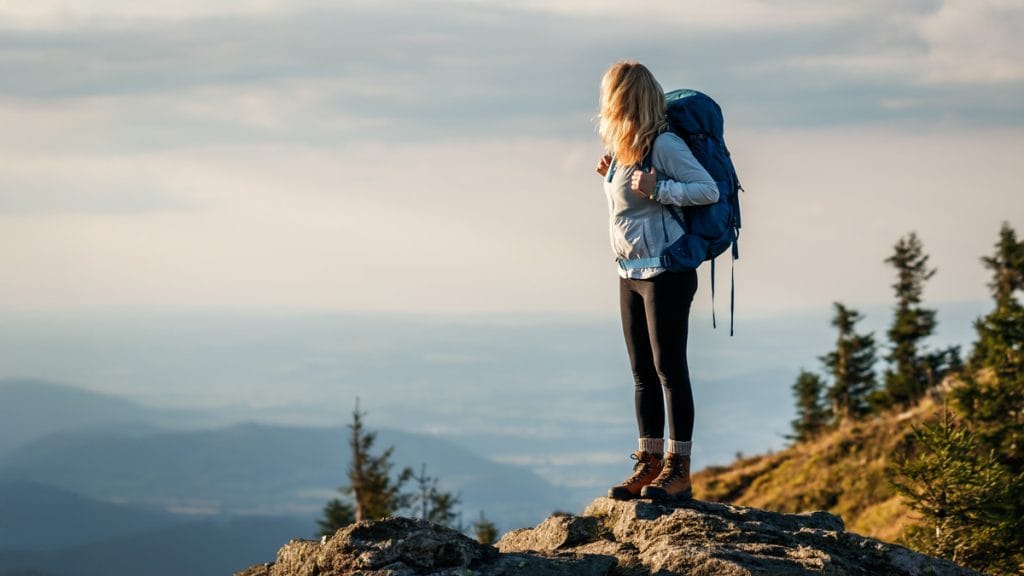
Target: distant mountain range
{"x": 524, "y": 418}
{"x": 32, "y": 409}
{"x": 550, "y": 392}
{"x": 84, "y": 473}
{"x": 49, "y": 531}
{"x": 37, "y": 517}
{"x": 197, "y": 548}
{"x": 259, "y": 469}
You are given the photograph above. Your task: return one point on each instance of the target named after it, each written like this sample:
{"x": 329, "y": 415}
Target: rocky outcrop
{"x": 612, "y": 538}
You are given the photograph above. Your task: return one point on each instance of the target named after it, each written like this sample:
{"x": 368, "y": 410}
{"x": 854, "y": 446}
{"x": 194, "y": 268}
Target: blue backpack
{"x": 712, "y": 228}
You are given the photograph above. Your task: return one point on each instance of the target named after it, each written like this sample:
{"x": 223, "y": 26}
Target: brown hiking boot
{"x": 674, "y": 481}
{"x": 646, "y": 469}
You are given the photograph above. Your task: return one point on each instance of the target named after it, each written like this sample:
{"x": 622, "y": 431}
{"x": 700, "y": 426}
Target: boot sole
{"x": 660, "y": 495}
{"x": 615, "y": 494}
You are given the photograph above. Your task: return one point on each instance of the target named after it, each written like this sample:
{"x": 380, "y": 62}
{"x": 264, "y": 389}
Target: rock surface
{"x": 638, "y": 538}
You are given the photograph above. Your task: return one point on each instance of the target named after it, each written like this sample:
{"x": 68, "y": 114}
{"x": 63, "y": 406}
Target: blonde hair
{"x": 632, "y": 111}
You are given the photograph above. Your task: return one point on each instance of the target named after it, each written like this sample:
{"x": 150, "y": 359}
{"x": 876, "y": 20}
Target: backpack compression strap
{"x": 656, "y": 262}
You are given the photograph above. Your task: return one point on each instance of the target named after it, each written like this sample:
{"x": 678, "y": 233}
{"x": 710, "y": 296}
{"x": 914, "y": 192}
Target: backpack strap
{"x": 672, "y": 210}
{"x": 648, "y": 160}
{"x": 714, "y": 324}
{"x": 732, "y": 296}
{"x": 735, "y": 257}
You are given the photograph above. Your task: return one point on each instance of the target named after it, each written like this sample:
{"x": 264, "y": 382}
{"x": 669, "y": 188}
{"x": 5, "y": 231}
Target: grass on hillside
{"x": 843, "y": 471}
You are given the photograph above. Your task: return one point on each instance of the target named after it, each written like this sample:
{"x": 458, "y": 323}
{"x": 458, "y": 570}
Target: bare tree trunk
{"x": 356, "y": 473}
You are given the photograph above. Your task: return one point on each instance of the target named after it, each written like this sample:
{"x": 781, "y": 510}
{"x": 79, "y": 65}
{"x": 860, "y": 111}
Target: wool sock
{"x": 680, "y": 448}
{"x": 652, "y": 445}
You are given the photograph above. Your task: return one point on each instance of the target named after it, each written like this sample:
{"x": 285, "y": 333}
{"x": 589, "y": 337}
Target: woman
{"x": 654, "y": 302}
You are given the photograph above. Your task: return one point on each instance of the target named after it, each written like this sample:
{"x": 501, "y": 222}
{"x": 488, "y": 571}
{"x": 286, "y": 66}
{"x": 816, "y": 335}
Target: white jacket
{"x": 642, "y": 227}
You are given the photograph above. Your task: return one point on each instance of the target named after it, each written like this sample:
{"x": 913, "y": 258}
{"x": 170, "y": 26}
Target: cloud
{"x": 976, "y": 42}
{"x": 723, "y": 15}
{"x": 274, "y": 154}
{"x": 63, "y": 14}
{"x": 69, "y": 197}
{"x": 511, "y": 226}
{"x": 81, "y": 184}
{"x": 305, "y": 227}
{"x": 417, "y": 68}
{"x": 438, "y": 70}
{"x": 954, "y": 43}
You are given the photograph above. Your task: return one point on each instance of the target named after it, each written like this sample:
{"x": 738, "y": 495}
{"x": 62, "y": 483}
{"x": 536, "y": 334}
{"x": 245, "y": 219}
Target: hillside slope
{"x": 38, "y": 517}
{"x": 843, "y": 471}
{"x": 198, "y": 548}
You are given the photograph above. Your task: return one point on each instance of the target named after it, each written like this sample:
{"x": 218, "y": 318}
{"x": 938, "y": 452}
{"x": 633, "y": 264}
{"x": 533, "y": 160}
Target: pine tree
{"x": 811, "y": 414}
{"x": 1007, "y": 266}
{"x": 371, "y": 489}
{"x": 432, "y": 503}
{"x": 992, "y": 396}
{"x": 990, "y": 400}
{"x": 485, "y": 530}
{"x": 968, "y": 500}
{"x": 337, "y": 514}
{"x": 375, "y": 493}
{"x": 851, "y": 365}
{"x": 910, "y": 372}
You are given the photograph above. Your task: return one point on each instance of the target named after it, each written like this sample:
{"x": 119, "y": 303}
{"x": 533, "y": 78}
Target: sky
{"x": 438, "y": 157}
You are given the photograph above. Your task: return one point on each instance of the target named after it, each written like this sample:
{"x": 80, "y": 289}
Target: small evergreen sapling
{"x": 485, "y": 530}
{"x": 966, "y": 498}
{"x": 430, "y": 502}
{"x": 811, "y": 413}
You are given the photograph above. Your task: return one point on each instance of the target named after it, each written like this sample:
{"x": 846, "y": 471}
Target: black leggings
{"x": 655, "y": 319}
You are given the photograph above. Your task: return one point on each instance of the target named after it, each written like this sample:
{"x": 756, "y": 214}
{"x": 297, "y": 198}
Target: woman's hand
{"x": 643, "y": 182}
{"x": 603, "y": 164}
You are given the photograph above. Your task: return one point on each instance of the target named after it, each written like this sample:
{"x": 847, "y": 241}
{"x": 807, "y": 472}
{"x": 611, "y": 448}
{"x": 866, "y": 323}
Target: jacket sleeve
{"x": 686, "y": 182}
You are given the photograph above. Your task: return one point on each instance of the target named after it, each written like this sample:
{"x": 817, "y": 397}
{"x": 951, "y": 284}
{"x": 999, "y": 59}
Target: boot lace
{"x": 670, "y": 470}
{"x": 639, "y": 469}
